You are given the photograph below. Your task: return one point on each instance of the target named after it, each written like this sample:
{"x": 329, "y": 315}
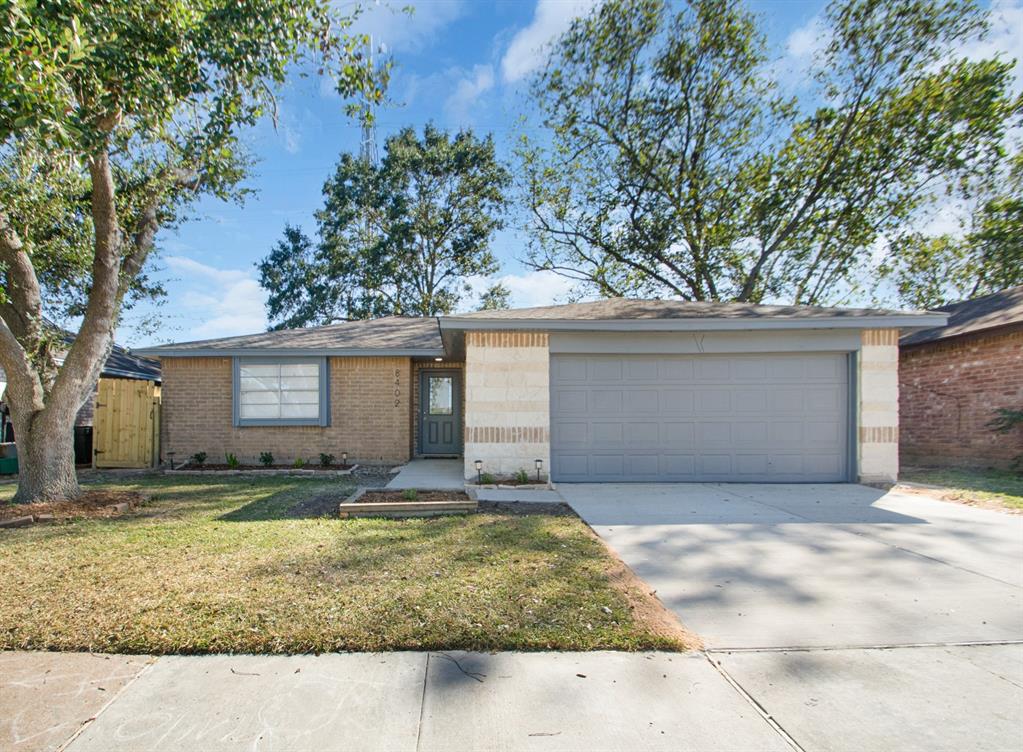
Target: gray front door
{"x": 746, "y": 418}
{"x": 440, "y": 412}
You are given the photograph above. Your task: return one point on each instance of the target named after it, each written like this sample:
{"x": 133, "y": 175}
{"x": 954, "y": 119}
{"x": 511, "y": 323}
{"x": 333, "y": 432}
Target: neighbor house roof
{"x": 125, "y": 365}
{"x": 987, "y": 312}
{"x": 393, "y": 335}
{"x": 666, "y": 315}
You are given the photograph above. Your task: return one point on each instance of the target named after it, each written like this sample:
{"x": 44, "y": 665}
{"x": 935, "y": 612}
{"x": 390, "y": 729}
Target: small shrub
{"x": 487, "y": 479}
{"x": 326, "y": 460}
{"x": 522, "y": 476}
{"x": 267, "y": 458}
{"x": 232, "y": 460}
{"x": 199, "y": 458}
{"x": 299, "y": 463}
{"x": 410, "y": 494}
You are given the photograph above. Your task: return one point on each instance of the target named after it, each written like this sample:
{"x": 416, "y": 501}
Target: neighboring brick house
{"x": 613, "y": 390}
{"x": 953, "y": 379}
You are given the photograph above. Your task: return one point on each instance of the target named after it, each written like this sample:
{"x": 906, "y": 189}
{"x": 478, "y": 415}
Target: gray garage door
{"x": 756, "y": 418}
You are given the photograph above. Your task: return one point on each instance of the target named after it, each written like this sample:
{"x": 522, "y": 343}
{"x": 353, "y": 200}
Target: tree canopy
{"x": 114, "y": 117}
{"x": 674, "y": 164}
{"x": 395, "y": 238}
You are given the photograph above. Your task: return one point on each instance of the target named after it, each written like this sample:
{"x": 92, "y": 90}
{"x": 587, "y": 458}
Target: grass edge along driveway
{"x": 215, "y": 566}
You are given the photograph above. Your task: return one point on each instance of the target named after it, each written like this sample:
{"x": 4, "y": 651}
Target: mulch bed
{"x": 278, "y": 468}
{"x": 97, "y": 503}
{"x": 526, "y": 508}
{"x": 371, "y": 497}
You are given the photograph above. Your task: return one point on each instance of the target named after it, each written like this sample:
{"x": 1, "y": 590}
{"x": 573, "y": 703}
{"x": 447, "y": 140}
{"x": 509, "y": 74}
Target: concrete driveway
{"x": 856, "y": 618}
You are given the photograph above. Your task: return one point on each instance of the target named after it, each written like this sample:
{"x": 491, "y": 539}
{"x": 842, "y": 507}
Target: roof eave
{"x": 892, "y": 321}
{"x": 291, "y": 352}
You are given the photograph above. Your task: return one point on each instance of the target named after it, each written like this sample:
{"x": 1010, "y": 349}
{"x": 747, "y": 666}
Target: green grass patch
{"x": 1002, "y": 487}
{"x": 221, "y": 565}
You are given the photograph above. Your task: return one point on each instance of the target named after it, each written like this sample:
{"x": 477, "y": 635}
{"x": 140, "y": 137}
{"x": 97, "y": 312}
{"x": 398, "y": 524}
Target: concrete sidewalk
{"x": 386, "y": 701}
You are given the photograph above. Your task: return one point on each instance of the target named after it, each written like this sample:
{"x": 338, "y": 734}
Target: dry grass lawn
{"x": 991, "y": 488}
{"x": 219, "y": 565}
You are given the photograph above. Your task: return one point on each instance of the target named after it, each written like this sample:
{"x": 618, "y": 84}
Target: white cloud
{"x": 807, "y": 40}
{"x": 551, "y": 18}
{"x": 400, "y": 31}
{"x": 1004, "y": 39}
{"x": 468, "y": 90}
{"x": 221, "y": 302}
{"x": 528, "y": 289}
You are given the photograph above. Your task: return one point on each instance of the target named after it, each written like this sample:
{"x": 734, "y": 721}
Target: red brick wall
{"x": 949, "y": 390}
{"x": 369, "y": 406}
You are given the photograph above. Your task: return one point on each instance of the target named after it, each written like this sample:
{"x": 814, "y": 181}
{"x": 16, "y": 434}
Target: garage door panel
{"x": 765, "y": 417}
{"x": 643, "y": 400}
{"x": 713, "y": 369}
{"x": 674, "y": 370}
{"x": 677, "y": 401}
{"x": 681, "y": 435}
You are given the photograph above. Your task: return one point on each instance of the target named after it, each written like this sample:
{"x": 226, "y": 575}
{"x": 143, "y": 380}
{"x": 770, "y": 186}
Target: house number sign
{"x": 397, "y": 388}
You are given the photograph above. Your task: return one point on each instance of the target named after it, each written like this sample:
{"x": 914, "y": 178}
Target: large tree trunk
{"x": 46, "y": 458}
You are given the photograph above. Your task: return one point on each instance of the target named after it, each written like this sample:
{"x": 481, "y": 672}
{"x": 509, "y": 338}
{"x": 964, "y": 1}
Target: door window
{"x": 440, "y": 391}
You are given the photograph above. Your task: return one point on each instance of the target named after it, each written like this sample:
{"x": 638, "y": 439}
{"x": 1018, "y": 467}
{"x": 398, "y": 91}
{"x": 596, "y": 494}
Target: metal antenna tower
{"x": 368, "y": 148}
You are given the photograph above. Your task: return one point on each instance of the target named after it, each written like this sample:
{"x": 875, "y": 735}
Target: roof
{"x": 392, "y": 335}
{"x": 987, "y": 312}
{"x": 667, "y": 315}
{"x": 421, "y": 337}
{"x": 125, "y": 365}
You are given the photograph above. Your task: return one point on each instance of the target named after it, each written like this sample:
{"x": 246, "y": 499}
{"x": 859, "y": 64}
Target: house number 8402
{"x": 397, "y": 388}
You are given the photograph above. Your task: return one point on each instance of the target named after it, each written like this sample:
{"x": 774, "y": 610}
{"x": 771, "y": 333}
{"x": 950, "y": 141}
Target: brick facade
{"x": 949, "y": 391}
{"x": 369, "y": 405}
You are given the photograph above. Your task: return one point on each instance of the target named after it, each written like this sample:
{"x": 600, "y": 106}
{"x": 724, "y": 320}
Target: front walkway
{"x": 426, "y": 474}
{"x": 382, "y": 701}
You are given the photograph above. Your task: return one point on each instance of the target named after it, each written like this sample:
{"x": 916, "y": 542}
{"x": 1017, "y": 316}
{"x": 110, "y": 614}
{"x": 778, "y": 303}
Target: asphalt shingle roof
{"x": 630, "y": 308}
{"x": 390, "y": 333}
{"x": 987, "y": 312}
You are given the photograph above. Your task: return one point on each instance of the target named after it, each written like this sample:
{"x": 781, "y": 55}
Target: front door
{"x": 440, "y": 412}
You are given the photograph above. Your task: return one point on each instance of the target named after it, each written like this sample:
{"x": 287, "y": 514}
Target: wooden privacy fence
{"x": 126, "y": 426}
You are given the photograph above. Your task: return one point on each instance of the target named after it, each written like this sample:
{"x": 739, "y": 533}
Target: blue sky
{"x": 459, "y": 63}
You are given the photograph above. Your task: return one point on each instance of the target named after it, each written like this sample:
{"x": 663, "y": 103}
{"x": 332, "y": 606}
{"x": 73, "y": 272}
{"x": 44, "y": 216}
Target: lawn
{"x": 992, "y": 487}
{"x": 225, "y": 565}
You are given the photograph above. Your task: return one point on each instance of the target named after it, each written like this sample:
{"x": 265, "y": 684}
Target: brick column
{"x": 507, "y": 402}
{"x": 878, "y": 429}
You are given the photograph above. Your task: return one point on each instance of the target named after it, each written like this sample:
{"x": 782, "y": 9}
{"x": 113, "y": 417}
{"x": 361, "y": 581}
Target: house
{"x": 613, "y": 390}
{"x": 953, "y": 378}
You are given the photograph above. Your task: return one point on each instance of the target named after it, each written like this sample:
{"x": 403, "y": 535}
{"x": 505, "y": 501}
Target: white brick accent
{"x": 507, "y": 402}
{"x": 878, "y": 389}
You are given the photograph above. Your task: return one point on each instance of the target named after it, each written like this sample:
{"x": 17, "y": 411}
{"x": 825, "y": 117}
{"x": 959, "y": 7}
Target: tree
{"x": 672, "y": 166}
{"x": 118, "y": 115}
{"x": 930, "y": 271}
{"x": 398, "y": 238}
{"x": 495, "y": 298}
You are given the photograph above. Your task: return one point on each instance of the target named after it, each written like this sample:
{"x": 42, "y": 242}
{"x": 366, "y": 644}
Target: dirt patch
{"x": 525, "y": 508}
{"x": 397, "y": 495}
{"x": 324, "y": 505}
{"x": 97, "y": 503}
{"x": 955, "y": 496}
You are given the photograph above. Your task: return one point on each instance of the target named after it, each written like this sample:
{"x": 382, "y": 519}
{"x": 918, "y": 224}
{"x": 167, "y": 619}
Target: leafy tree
{"x": 674, "y": 167}
{"x": 398, "y": 238}
{"x": 930, "y": 271}
{"x": 496, "y": 298}
{"x": 114, "y": 118}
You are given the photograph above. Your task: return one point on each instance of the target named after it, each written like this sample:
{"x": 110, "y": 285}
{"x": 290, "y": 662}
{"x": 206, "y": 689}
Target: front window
{"x": 287, "y": 392}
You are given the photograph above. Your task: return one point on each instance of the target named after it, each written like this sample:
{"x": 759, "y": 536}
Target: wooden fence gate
{"x": 126, "y": 426}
